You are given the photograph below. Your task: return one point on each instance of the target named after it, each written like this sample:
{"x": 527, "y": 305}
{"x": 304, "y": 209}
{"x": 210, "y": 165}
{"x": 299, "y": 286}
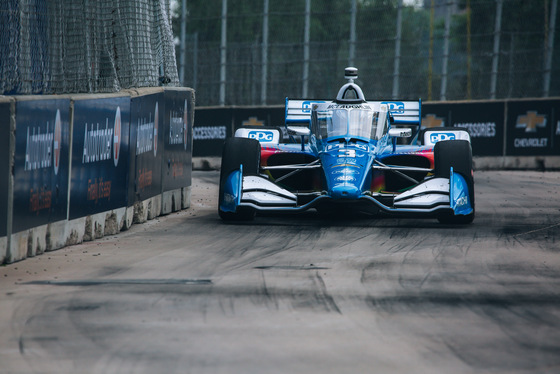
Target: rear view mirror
{"x": 400, "y": 133}
{"x": 299, "y": 130}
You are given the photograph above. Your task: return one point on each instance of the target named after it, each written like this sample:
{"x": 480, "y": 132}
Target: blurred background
{"x": 255, "y": 52}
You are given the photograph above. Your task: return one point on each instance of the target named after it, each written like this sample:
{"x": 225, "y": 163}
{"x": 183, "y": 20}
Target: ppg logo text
{"x": 262, "y": 136}
{"x": 395, "y": 106}
{"x": 440, "y": 136}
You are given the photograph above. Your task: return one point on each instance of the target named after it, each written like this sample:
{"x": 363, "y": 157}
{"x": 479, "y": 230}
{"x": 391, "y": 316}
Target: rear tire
{"x": 456, "y": 154}
{"x": 236, "y": 152}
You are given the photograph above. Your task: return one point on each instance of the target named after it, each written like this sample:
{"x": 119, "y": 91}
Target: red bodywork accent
{"x": 378, "y": 178}
{"x": 266, "y": 152}
{"x": 429, "y": 154}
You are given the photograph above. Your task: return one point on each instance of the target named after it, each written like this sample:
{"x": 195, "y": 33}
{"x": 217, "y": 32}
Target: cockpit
{"x": 348, "y": 121}
{"x": 350, "y": 116}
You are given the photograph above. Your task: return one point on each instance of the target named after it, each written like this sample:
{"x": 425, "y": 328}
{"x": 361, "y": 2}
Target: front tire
{"x": 236, "y": 152}
{"x": 456, "y": 154}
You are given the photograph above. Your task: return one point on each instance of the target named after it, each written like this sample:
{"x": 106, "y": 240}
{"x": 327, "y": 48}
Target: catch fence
{"x": 73, "y": 46}
{"x": 254, "y": 52}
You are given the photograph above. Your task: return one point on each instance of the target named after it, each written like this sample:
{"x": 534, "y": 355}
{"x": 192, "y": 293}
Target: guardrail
{"x": 78, "y": 167}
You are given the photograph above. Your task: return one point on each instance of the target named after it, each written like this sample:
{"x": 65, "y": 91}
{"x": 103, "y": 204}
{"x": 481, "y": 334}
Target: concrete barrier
{"x": 79, "y": 167}
{"x": 540, "y": 163}
{"x": 7, "y": 130}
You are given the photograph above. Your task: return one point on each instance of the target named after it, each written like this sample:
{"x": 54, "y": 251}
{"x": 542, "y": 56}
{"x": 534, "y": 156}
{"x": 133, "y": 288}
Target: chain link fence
{"x": 258, "y": 52}
{"x": 73, "y": 46}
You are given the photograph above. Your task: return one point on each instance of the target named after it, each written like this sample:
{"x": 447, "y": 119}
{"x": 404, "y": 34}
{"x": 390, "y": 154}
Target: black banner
{"x": 484, "y": 122}
{"x": 267, "y": 117}
{"x": 212, "y": 127}
{"x": 41, "y": 162}
{"x": 533, "y": 128}
{"x": 146, "y": 145}
{"x": 4, "y": 166}
{"x": 100, "y": 151}
{"x": 178, "y": 135}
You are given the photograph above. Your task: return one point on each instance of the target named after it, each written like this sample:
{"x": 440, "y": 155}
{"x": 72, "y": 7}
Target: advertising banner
{"x": 484, "y": 122}
{"x": 271, "y": 117}
{"x": 100, "y": 150}
{"x": 266, "y": 117}
{"x": 212, "y": 126}
{"x": 41, "y": 162}
{"x": 178, "y": 139}
{"x": 146, "y": 145}
{"x": 533, "y": 128}
{"x": 4, "y": 165}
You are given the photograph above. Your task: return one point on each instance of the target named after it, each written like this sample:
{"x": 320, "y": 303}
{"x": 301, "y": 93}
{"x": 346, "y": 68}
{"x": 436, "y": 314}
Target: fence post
{"x": 469, "y": 52}
{"x": 496, "y": 52}
{"x": 431, "y": 51}
{"x": 445, "y": 57}
{"x": 352, "y": 46}
{"x": 306, "y": 48}
{"x": 223, "y": 53}
{"x": 264, "y": 67}
{"x": 550, "y": 48}
{"x": 195, "y": 60}
{"x": 183, "y": 41}
{"x": 396, "y": 67}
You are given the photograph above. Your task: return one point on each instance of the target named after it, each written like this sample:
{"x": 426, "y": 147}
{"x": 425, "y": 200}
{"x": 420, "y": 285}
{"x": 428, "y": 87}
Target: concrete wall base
{"x": 542, "y": 163}
{"x": 56, "y": 235}
{"x": 147, "y": 209}
{"x": 36, "y": 241}
{"x": 28, "y": 243}
{"x": 128, "y": 219}
{"x": 3, "y": 249}
{"x": 186, "y": 197}
{"x": 171, "y": 201}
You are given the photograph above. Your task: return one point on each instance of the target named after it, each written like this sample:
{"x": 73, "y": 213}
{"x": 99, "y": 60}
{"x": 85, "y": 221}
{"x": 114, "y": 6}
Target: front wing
{"x": 426, "y": 198}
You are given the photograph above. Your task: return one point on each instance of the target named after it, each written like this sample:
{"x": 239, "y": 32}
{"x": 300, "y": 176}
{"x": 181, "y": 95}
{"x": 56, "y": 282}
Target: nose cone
{"x": 345, "y": 191}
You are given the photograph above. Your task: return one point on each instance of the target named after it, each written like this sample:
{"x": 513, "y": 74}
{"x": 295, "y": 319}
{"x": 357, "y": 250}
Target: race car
{"x": 349, "y": 155}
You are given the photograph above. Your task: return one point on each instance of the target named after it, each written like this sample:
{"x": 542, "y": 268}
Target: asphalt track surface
{"x": 187, "y": 293}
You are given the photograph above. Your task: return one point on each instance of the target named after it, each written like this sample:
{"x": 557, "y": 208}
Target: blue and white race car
{"x": 346, "y": 155}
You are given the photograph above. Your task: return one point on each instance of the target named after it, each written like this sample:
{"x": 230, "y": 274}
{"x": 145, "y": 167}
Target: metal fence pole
{"x": 511, "y": 65}
{"x": 352, "y": 46}
{"x": 550, "y": 49}
{"x": 445, "y": 57}
{"x": 469, "y": 51}
{"x": 396, "y": 67}
{"x": 306, "y": 48}
{"x": 496, "y": 51}
{"x": 264, "y": 71}
{"x": 431, "y": 51}
{"x": 183, "y": 42}
{"x": 223, "y": 52}
{"x": 195, "y": 60}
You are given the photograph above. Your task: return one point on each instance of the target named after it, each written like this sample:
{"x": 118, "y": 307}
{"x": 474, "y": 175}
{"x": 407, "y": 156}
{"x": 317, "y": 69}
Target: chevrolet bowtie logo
{"x": 253, "y": 121}
{"x": 531, "y": 121}
{"x": 430, "y": 120}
